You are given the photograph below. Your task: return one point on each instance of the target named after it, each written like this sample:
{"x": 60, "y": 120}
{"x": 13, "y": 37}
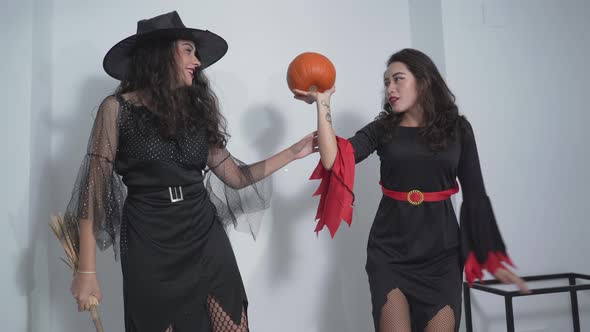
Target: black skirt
{"x": 174, "y": 255}
{"x": 428, "y": 286}
{"x": 421, "y": 249}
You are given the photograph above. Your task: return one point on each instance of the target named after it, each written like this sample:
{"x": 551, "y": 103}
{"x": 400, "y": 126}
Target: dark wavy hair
{"x": 441, "y": 114}
{"x": 153, "y": 74}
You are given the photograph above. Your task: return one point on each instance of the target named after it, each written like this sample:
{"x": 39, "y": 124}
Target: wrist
{"x": 292, "y": 153}
{"x": 323, "y": 102}
{"x": 86, "y": 267}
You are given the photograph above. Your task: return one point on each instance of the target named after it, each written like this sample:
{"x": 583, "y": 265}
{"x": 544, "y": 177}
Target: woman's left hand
{"x": 311, "y": 97}
{"x": 509, "y": 277}
{"x": 306, "y": 146}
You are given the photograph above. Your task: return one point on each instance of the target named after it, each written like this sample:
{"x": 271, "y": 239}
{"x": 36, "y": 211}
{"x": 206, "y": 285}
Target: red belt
{"x": 416, "y": 197}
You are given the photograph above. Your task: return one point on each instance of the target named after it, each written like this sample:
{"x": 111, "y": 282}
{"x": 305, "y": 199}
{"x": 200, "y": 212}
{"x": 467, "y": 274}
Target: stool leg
{"x": 509, "y": 314}
{"x": 574, "y": 300}
{"x": 467, "y": 297}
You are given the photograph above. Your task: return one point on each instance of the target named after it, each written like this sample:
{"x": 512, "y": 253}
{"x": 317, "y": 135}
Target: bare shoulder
{"x": 109, "y": 102}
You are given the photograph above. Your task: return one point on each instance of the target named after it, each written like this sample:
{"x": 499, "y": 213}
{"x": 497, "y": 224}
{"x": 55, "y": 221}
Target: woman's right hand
{"x": 84, "y": 286}
{"x": 314, "y": 96}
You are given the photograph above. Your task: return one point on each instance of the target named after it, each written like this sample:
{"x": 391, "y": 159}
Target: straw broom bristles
{"x": 69, "y": 238}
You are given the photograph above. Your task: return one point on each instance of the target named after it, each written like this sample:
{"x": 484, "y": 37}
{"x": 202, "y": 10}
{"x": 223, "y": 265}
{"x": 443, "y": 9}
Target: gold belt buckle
{"x": 415, "y": 202}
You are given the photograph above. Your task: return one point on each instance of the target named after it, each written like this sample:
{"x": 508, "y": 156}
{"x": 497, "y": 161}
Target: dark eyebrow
{"x": 398, "y": 73}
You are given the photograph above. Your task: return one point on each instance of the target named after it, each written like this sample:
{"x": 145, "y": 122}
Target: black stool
{"x": 509, "y": 295}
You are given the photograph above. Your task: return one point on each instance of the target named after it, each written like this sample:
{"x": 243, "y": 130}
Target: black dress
{"x": 175, "y": 254}
{"x": 418, "y": 248}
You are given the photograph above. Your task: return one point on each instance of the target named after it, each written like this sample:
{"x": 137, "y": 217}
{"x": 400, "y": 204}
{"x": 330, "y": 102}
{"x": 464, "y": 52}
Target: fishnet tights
{"x": 395, "y": 316}
{"x": 443, "y": 321}
{"x": 220, "y": 320}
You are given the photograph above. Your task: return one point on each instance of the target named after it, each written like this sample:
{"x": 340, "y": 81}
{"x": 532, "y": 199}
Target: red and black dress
{"x": 417, "y": 245}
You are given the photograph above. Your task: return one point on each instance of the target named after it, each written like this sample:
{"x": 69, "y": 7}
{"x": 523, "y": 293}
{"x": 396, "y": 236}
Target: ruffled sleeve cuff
{"x": 474, "y": 270}
{"x": 336, "y": 189}
{"x": 482, "y": 244}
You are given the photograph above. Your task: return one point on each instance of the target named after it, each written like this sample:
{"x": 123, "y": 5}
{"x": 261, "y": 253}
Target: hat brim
{"x": 210, "y": 48}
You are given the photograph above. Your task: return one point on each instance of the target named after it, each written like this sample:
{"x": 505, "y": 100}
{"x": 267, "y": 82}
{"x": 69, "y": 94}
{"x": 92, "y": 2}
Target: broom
{"x": 69, "y": 237}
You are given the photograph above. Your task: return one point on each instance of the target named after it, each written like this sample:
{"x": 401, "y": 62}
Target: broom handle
{"x": 94, "y": 314}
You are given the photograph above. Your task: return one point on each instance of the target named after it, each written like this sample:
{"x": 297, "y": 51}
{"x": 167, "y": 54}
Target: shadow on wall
{"x": 72, "y": 131}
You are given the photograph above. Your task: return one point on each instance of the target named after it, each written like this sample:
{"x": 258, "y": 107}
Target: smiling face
{"x": 186, "y": 61}
{"x": 400, "y": 87}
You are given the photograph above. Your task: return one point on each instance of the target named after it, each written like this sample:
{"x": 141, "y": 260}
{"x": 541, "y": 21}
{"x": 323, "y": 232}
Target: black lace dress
{"x": 178, "y": 266}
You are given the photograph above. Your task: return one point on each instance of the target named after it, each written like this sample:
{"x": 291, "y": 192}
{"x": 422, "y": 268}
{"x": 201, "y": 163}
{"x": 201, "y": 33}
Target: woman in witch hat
{"x": 143, "y": 182}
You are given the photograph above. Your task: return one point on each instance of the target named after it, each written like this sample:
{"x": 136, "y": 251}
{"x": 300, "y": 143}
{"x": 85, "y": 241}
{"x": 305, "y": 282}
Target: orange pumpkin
{"x": 311, "y": 72}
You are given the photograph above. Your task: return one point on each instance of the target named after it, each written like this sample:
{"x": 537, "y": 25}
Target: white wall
{"x": 15, "y": 92}
{"x": 524, "y": 62}
{"x": 519, "y": 70}
{"x": 295, "y": 281}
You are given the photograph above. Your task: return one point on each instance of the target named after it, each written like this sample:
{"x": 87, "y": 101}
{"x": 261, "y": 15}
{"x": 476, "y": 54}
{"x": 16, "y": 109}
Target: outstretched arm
{"x": 326, "y": 136}
{"x": 236, "y": 176}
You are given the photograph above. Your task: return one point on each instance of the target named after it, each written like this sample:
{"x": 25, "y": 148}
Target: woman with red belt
{"x": 416, "y": 250}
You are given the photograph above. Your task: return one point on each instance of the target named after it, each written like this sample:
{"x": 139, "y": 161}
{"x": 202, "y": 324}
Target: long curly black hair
{"x": 153, "y": 73}
{"x": 441, "y": 114}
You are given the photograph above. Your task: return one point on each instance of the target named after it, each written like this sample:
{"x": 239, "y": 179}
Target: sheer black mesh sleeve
{"x": 241, "y": 193}
{"x": 98, "y": 192}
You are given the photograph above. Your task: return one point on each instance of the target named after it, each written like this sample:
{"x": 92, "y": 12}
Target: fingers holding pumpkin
{"x": 313, "y": 96}
{"x": 307, "y": 96}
